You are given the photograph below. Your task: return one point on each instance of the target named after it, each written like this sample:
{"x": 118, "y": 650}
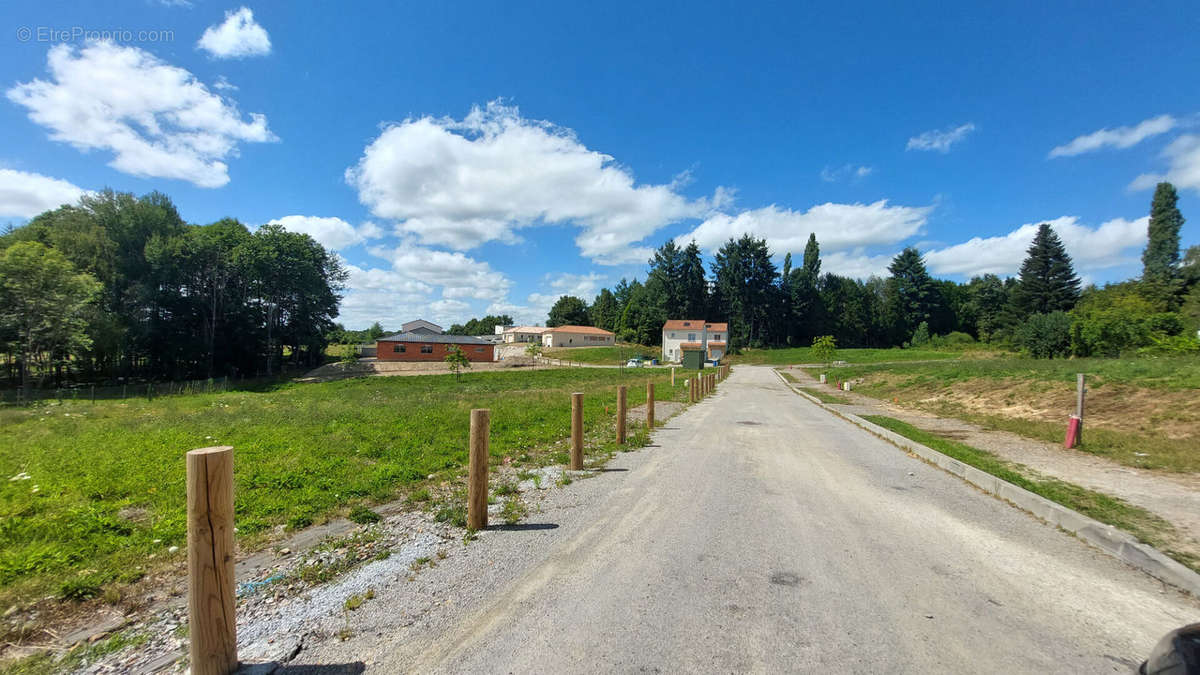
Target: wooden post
{"x": 577, "y": 431}
{"x": 621, "y": 415}
{"x": 1080, "y": 390}
{"x": 477, "y": 482}
{"x": 212, "y": 623}
{"x": 650, "y": 405}
{"x": 672, "y": 376}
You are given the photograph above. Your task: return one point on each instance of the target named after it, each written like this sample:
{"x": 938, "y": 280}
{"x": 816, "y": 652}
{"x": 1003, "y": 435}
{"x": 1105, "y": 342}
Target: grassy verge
{"x": 93, "y": 495}
{"x": 1137, "y": 521}
{"x": 1140, "y": 412}
{"x": 818, "y": 394}
{"x": 604, "y": 356}
{"x": 793, "y": 355}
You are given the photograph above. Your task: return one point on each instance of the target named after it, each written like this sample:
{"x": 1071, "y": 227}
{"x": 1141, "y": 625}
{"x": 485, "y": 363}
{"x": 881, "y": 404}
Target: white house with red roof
{"x": 679, "y": 335}
{"x": 577, "y": 336}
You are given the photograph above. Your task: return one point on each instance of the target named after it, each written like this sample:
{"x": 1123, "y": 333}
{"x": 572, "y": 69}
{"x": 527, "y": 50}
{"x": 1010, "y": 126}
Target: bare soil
{"x": 374, "y": 368}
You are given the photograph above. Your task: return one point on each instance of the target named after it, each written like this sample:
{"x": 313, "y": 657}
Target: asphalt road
{"x": 762, "y": 534}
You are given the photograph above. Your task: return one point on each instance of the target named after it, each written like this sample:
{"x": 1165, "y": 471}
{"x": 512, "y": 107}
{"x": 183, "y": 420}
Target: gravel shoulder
{"x": 1171, "y": 496}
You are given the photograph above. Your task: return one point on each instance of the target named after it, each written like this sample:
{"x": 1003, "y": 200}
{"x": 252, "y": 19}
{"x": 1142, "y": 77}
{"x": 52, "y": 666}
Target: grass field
{"x": 89, "y": 492}
{"x": 797, "y": 355}
{"x": 1140, "y": 412}
{"x": 604, "y": 356}
{"x": 1137, "y": 521}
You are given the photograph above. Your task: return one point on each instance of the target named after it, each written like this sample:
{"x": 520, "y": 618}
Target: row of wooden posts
{"x": 211, "y": 583}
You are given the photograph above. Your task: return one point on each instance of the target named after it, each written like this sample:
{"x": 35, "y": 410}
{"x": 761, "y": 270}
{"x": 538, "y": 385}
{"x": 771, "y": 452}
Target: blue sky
{"x": 467, "y": 158}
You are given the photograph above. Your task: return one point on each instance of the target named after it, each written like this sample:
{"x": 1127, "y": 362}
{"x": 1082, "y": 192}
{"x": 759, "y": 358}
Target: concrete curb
{"x": 1115, "y": 542}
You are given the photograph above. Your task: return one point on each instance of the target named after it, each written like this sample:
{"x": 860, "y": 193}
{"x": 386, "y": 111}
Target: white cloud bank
{"x": 1183, "y": 156}
{"x": 462, "y": 183}
{"x": 1120, "y": 137}
{"x": 332, "y": 233}
{"x": 25, "y": 195}
{"x": 1111, "y": 244}
{"x": 940, "y": 140}
{"x": 237, "y": 37}
{"x": 838, "y": 226}
{"x": 157, "y": 119}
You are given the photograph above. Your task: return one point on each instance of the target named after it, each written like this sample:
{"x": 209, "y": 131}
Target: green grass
{"x": 106, "y": 488}
{"x": 1171, "y": 373}
{"x": 1116, "y": 512}
{"x": 796, "y": 355}
{"x": 818, "y": 394}
{"x": 604, "y": 356}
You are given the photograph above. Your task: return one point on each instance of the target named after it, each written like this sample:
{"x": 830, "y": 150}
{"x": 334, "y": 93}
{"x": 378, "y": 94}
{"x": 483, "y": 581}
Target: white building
{"x": 677, "y": 334}
{"x": 515, "y": 334}
{"x": 577, "y": 336}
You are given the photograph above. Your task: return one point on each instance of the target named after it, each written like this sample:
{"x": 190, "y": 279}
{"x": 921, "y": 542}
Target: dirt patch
{"x": 372, "y": 368}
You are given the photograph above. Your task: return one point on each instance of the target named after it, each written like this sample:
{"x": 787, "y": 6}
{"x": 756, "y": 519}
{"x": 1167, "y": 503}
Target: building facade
{"x": 517, "y": 334}
{"x": 696, "y": 335}
{"x": 422, "y": 347}
{"x": 578, "y": 336}
{"x": 421, "y": 327}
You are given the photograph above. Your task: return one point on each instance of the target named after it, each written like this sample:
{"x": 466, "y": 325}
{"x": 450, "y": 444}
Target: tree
{"x": 374, "y": 332}
{"x": 987, "y": 298}
{"x": 1047, "y": 280}
{"x": 693, "y": 286}
{"x": 805, "y": 312}
{"x": 1045, "y": 336}
{"x": 533, "y": 349}
{"x": 42, "y": 303}
{"x": 568, "y": 310}
{"x": 457, "y": 360}
{"x": 824, "y": 348}
{"x": 666, "y": 275}
{"x": 746, "y": 291}
{"x": 912, "y": 295}
{"x": 1160, "y": 260}
{"x": 604, "y": 312}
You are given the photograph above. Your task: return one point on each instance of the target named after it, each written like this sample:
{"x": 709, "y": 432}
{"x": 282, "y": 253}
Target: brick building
{"x": 423, "y": 347}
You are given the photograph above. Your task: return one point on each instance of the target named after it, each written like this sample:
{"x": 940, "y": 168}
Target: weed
{"x": 362, "y": 515}
{"x": 355, "y": 601}
{"x": 506, "y": 489}
{"x": 442, "y": 553}
{"x": 419, "y": 496}
{"x": 421, "y": 562}
{"x": 514, "y": 510}
{"x": 454, "y": 514}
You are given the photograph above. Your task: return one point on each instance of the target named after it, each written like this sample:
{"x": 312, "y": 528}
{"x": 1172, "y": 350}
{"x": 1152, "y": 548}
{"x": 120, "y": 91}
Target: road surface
{"x": 762, "y": 534}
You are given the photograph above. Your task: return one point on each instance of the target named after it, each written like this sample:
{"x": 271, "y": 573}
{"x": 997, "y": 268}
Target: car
{"x": 633, "y": 363}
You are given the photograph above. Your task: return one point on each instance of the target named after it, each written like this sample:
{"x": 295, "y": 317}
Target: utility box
{"x": 693, "y": 359}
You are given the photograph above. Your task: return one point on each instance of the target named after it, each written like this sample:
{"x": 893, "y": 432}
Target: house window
{"x": 716, "y": 336}
{"x": 479, "y": 350}
{"x": 426, "y": 349}
{"x": 691, "y": 337}
{"x": 397, "y": 349}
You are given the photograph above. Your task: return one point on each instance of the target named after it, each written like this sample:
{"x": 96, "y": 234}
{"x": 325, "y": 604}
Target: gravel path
{"x": 1172, "y": 496}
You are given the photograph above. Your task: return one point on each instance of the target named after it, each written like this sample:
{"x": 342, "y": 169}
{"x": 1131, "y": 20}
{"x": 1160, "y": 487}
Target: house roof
{"x": 694, "y": 324}
{"x": 434, "y": 339}
{"x": 585, "y": 330}
{"x": 526, "y": 329}
{"x": 416, "y": 323}
{"x": 691, "y": 346}
{"x": 716, "y": 343}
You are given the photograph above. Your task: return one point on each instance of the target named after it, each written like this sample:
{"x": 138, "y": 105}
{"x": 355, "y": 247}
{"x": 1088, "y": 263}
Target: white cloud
{"x": 463, "y": 183}
{"x": 1111, "y": 244}
{"x": 855, "y": 264}
{"x": 580, "y": 285}
{"x": 837, "y": 226}
{"x": 940, "y": 139}
{"x": 237, "y": 37}
{"x": 833, "y": 175}
{"x": 332, "y": 233}
{"x": 157, "y": 119}
{"x": 1121, "y": 137}
{"x": 458, "y": 275}
{"x": 223, "y": 84}
{"x": 25, "y": 195}
{"x": 1183, "y": 154}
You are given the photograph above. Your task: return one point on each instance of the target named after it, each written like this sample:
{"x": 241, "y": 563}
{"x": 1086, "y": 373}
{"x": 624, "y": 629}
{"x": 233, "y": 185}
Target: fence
{"x": 210, "y": 511}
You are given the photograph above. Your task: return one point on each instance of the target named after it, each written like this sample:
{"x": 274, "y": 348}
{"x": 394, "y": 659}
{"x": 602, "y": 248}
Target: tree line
{"x": 120, "y": 286}
{"x": 1042, "y": 311}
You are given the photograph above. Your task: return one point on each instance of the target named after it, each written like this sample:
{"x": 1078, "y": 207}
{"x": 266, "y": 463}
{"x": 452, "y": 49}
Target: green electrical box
{"x": 693, "y": 359}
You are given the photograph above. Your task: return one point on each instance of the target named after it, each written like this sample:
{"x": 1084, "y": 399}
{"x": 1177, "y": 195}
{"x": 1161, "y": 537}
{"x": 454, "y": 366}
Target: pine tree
{"x": 1160, "y": 260}
{"x": 1047, "y": 280}
{"x": 605, "y": 311}
{"x": 812, "y": 257}
{"x": 693, "y": 285}
{"x": 912, "y": 295}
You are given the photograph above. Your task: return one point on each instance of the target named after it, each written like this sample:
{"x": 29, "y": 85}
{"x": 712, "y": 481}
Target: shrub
{"x": 920, "y": 336}
{"x": 1119, "y": 318}
{"x": 1045, "y": 336}
{"x": 824, "y": 348}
